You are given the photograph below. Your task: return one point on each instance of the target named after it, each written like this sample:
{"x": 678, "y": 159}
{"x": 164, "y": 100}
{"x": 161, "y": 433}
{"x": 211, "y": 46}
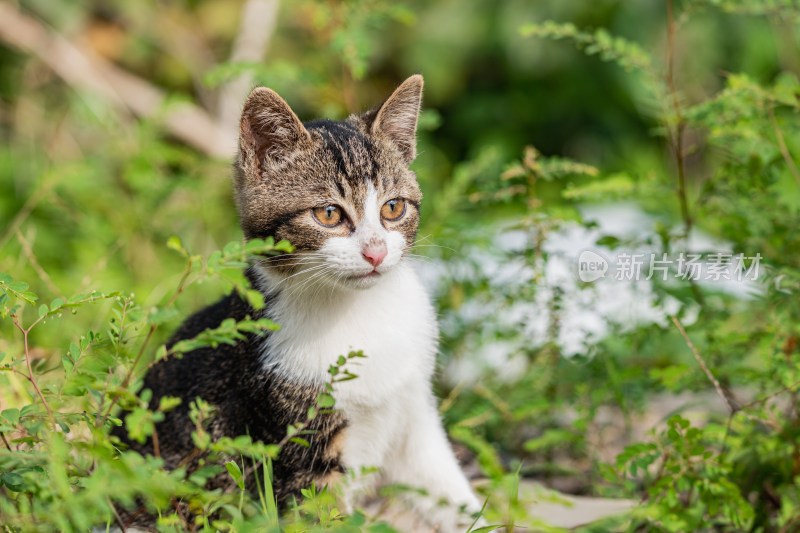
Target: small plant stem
{"x": 30, "y": 377}
{"x": 33, "y": 381}
{"x": 773, "y": 395}
{"x": 703, "y": 365}
{"x": 123, "y": 316}
{"x": 675, "y": 133}
{"x": 677, "y": 130}
{"x": 3, "y": 436}
{"x": 117, "y": 518}
{"x": 156, "y": 446}
{"x": 732, "y": 410}
{"x": 125, "y": 382}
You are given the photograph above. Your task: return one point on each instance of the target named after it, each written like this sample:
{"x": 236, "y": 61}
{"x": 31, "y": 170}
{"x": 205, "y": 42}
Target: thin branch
{"x": 122, "y": 327}
{"x": 30, "y": 377}
{"x": 82, "y": 68}
{"x": 3, "y": 437}
{"x": 720, "y": 391}
{"x": 773, "y": 395}
{"x": 703, "y": 366}
{"x": 117, "y": 517}
{"x": 181, "y": 287}
{"x": 675, "y": 137}
{"x": 676, "y": 134}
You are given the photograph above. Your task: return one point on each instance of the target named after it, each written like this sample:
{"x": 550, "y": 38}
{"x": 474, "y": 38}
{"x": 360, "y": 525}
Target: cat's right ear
{"x": 269, "y": 130}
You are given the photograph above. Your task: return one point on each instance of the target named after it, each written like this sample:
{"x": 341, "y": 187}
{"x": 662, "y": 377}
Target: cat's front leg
{"x": 423, "y": 459}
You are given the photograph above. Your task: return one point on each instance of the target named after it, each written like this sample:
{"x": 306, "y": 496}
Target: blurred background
{"x": 549, "y": 128}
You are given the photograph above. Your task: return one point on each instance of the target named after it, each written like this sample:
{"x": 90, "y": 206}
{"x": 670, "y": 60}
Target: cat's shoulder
{"x": 231, "y": 305}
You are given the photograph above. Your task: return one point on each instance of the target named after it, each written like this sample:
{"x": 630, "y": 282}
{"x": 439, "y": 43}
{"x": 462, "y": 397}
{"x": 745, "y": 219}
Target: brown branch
{"x": 675, "y": 137}
{"x": 3, "y": 437}
{"x": 117, "y": 517}
{"x": 773, "y": 395}
{"x": 720, "y": 391}
{"x": 676, "y": 134}
{"x": 83, "y": 69}
{"x": 30, "y": 377}
{"x": 156, "y": 446}
{"x": 703, "y": 366}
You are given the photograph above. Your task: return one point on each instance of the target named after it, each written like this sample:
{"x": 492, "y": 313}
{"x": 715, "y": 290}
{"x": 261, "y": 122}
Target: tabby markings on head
{"x": 340, "y": 192}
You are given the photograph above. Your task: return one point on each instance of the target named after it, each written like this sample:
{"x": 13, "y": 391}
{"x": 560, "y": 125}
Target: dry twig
{"x": 82, "y": 68}
{"x": 703, "y": 366}
{"x": 720, "y": 391}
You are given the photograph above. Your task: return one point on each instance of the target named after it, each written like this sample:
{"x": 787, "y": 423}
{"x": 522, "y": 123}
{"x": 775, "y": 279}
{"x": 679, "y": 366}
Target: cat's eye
{"x": 393, "y": 209}
{"x": 328, "y": 216}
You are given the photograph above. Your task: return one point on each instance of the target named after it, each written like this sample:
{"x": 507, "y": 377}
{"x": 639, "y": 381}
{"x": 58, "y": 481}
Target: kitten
{"x": 343, "y": 195}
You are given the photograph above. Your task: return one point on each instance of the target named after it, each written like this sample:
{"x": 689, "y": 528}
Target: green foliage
{"x": 60, "y": 470}
{"x": 625, "y": 53}
{"x": 692, "y": 118}
{"x": 688, "y": 487}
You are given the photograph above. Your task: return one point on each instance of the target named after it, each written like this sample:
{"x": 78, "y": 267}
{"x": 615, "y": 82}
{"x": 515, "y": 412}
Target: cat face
{"x": 340, "y": 192}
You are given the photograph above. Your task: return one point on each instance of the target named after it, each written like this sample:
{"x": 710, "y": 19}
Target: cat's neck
{"x": 392, "y": 322}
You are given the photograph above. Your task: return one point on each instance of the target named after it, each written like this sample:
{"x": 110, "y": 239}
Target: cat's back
{"x": 206, "y": 372}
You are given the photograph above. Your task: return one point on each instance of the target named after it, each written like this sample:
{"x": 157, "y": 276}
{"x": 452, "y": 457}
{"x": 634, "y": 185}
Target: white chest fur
{"x": 393, "y": 323}
{"x": 392, "y": 421}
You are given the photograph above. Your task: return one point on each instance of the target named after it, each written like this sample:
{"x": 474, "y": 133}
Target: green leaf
{"x": 29, "y": 410}
{"x": 301, "y": 442}
{"x": 159, "y": 316}
{"x": 325, "y": 400}
{"x": 236, "y": 473}
{"x": 12, "y": 415}
{"x": 13, "y": 482}
{"x": 29, "y": 297}
{"x": 67, "y": 363}
{"x": 167, "y": 403}
{"x": 174, "y": 243}
{"x": 55, "y": 304}
{"x": 486, "y": 529}
{"x": 43, "y": 310}
{"x": 255, "y": 299}
{"x": 234, "y": 470}
{"x": 18, "y": 286}
{"x": 74, "y": 351}
{"x": 232, "y": 248}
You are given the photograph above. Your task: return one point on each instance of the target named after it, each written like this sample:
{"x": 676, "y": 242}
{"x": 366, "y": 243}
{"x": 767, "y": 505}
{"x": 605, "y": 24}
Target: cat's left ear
{"x": 269, "y": 129}
{"x": 397, "y": 117}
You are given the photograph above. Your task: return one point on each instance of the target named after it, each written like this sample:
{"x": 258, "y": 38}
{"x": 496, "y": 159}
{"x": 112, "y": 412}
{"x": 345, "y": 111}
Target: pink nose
{"x": 374, "y": 254}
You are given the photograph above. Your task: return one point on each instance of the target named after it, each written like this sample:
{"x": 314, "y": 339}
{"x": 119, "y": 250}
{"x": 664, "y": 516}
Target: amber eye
{"x": 393, "y": 209}
{"x": 328, "y": 216}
